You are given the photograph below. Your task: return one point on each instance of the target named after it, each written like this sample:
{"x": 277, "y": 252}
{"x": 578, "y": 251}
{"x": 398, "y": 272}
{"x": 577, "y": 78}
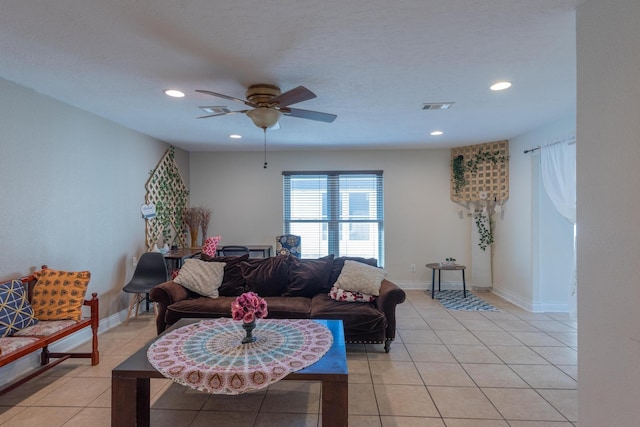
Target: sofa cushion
{"x": 338, "y": 263}
{"x": 309, "y": 277}
{"x": 288, "y": 307}
{"x": 201, "y": 276}
{"x": 15, "y": 311}
{"x": 58, "y": 295}
{"x": 361, "y": 319}
{"x": 232, "y": 282}
{"x": 267, "y": 277}
{"x": 45, "y": 328}
{"x": 359, "y": 277}
{"x": 199, "y": 307}
{"x": 11, "y": 344}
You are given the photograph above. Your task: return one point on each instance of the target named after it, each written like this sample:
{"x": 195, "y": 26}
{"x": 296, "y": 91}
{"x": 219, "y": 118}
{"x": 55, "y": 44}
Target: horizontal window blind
{"x": 335, "y": 212}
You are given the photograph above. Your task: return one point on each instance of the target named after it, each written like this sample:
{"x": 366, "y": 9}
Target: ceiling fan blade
{"x": 222, "y": 114}
{"x": 307, "y": 114}
{"x": 231, "y": 98}
{"x": 292, "y": 96}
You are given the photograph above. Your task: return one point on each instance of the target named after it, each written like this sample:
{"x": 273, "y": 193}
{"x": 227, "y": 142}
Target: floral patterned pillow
{"x": 348, "y": 296}
{"x": 211, "y": 245}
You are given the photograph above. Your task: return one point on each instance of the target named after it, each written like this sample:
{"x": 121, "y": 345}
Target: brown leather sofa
{"x": 293, "y": 289}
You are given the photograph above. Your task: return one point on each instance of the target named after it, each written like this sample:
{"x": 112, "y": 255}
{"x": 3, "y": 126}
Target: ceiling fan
{"x": 268, "y": 103}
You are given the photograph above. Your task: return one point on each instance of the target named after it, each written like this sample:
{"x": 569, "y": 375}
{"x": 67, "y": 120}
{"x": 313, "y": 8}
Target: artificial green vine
{"x": 483, "y": 157}
{"x": 486, "y": 234}
{"x": 459, "y": 167}
{"x": 170, "y": 188}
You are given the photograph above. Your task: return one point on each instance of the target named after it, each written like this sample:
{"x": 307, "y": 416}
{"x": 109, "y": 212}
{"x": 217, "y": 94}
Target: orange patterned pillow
{"x": 58, "y": 295}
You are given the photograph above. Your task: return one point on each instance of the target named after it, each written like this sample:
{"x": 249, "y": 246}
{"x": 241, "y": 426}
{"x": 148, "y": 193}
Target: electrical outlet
{"x": 135, "y": 261}
{"x": 413, "y": 268}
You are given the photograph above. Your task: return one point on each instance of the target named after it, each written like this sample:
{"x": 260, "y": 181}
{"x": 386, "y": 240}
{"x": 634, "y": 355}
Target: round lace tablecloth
{"x": 209, "y": 356}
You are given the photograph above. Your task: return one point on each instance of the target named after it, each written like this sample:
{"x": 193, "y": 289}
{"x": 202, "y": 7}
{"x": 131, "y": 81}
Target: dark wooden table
{"x": 130, "y": 382}
{"x": 436, "y": 266}
{"x": 263, "y": 250}
{"x": 177, "y": 256}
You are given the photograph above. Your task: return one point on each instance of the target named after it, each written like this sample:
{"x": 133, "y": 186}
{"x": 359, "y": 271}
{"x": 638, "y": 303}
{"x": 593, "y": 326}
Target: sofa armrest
{"x": 390, "y": 296}
{"x": 164, "y": 295}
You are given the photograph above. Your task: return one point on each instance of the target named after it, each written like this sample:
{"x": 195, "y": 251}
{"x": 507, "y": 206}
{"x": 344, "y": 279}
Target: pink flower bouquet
{"x": 248, "y": 307}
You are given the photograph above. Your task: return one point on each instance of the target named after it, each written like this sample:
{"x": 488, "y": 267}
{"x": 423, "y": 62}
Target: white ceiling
{"x": 372, "y": 62}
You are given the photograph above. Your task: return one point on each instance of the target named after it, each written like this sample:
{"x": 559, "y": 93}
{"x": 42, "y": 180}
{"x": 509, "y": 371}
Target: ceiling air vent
{"x": 437, "y": 105}
{"x": 215, "y": 109}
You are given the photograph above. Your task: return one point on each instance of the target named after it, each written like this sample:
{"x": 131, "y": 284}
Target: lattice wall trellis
{"x": 493, "y": 179}
{"x": 166, "y": 189}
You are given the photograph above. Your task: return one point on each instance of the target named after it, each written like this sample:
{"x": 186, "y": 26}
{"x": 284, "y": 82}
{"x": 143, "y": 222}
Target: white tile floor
{"x": 445, "y": 369}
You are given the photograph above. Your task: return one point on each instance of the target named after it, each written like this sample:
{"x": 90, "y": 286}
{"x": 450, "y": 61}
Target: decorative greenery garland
{"x": 167, "y": 214}
{"x": 486, "y": 234}
{"x": 459, "y": 167}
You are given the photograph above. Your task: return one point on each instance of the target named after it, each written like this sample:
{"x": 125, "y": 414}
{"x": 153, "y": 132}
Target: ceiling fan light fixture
{"x": 264, "y": 117}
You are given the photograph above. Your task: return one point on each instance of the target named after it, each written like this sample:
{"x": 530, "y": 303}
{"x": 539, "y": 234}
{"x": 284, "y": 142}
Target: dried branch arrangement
{"x": 197, "y": 218}
{"x": 204, "y": 224}
{"x": 192, "y": 217}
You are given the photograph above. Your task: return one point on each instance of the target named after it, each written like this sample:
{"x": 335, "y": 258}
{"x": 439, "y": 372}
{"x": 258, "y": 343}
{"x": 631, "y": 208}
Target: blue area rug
{"x": 454, "y": 300}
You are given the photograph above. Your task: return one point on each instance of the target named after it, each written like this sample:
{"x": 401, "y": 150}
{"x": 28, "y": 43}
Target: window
{"x": 338, "y": 213}
{"x": 358, "y": 208}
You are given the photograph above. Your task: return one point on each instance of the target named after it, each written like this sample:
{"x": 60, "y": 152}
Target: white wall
{"x": 531, "y": 240}
{"x": 421, "y": 223}
{"x": 74, "y": 172}
{"x": 608, "y": 198}
{"x": 72, "y": 187}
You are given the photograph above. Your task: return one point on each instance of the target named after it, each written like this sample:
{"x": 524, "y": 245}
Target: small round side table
{"x": 437, "y": 266}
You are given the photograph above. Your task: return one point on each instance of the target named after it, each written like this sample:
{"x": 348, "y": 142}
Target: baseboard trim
{"x": 534, "y": 307}
{"x": 515, "y": 299}
{"x": 555, "y": 308}
{"x": 24, "y": 365}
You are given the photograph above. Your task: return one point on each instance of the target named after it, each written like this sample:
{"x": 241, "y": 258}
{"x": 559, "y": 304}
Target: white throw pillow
{"x": 358, "y": 277}
{"x": 203, "y": 277}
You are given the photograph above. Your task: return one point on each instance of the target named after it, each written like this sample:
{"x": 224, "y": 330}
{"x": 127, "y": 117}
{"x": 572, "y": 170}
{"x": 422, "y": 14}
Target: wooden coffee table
{"x": 130, "y": 382}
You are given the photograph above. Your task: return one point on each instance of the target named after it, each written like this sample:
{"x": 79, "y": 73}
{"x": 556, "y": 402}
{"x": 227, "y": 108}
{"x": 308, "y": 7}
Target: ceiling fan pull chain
{"x": 265, "y": 148}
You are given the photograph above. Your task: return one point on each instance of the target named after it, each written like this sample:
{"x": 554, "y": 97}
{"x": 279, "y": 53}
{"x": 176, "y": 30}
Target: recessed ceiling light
{"x": 436, "y": 133}
{"x": 174, "y": 93}
{"x": 235, "y": 136}
{"x": 500, "y": 86}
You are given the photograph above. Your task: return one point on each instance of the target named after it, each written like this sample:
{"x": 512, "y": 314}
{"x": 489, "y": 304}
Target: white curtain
{"x": 558, "y": 169}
